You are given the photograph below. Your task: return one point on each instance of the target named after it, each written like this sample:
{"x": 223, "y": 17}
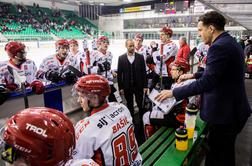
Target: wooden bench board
{"x": 156, "y": 145}
{"x": 160, "y": 150}
{"x": 151, "y": 140}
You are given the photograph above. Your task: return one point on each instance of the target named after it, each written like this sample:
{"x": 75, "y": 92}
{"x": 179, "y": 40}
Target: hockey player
{"x": 176, "y": 116}
{"x": 100, "y": 63}
{"x": 78, "y": 58}
{"x": 143, "y": 50}
{"x": 53, "y": 65}
{"x": 200, "y": 55}
{"x": 20, "y": 65}
{"x": 139, "y": 47}
{"x": 107, "y": 135}
{"x": 164, "y": 57}
{"x": 151, "y": 75}
{"x": 39, "y": 136}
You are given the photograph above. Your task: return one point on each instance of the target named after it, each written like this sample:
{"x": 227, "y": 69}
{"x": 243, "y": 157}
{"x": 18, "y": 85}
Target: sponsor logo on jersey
{"x": 83, "y": 124}
{"x": 36, "y": 130}
{"x": 116, "y": 113}
{"x": 102, "y": 122}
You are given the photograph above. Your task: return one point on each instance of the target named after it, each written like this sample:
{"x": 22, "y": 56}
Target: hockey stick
{"x": 161, "y": 73}
{"x": 161, "y": 67}
{"x": 143, "y": 102}
{"x": 75, "y": 71}
{"x": 191, "y": 54}
{"x": 88, "y": 62}
{"x": 20, "y": 79}
{"x": 106, "y": 72}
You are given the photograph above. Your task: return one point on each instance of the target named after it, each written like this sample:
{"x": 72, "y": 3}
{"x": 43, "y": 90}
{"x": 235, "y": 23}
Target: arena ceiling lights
{"x": 239, "y": 11}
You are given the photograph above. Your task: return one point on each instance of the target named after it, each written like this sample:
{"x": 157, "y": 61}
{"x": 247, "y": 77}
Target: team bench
{"x": 160, "y": 150}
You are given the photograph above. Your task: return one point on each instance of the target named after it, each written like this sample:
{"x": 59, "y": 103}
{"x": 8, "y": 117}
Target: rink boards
{"x": 58, "y": 96}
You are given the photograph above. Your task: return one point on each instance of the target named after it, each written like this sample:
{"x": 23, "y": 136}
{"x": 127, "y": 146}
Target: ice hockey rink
{"x": 37, "y": 51}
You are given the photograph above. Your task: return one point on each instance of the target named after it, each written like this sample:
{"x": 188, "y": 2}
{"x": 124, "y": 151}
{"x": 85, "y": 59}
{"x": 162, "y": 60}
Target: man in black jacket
{"x": 132, "y": 77}
{"x": 224, "y": 103}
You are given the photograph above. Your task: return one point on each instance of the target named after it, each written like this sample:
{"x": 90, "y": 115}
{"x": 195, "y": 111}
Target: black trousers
{"x": 128, "y": 94}
{"x": 137, "y": 120}
{"x": 112, "y": 97}
{"x": 221, "y": 143}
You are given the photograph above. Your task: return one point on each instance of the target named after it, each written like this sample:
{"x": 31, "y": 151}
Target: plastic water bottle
{"x": 190, "y": 119}
{"x": 181, "y": 142}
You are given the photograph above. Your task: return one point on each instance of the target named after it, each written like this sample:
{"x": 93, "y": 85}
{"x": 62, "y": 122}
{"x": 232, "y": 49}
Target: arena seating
{"x": 38, "y": 23}
{"x": 65, "y": 34}
{"x": 26, "y": 33}
{"x": 82, "y": 24}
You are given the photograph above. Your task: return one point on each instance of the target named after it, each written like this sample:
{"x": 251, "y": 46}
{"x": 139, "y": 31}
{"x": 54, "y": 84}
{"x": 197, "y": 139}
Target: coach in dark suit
{"x": 132, "y": 77}
{"x": 224, "y": 103}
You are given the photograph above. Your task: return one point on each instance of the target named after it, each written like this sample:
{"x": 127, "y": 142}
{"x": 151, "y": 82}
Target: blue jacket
{"x": 221, "y": 85}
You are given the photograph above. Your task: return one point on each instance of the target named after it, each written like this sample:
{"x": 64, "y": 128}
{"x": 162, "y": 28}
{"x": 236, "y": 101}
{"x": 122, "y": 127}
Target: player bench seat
{"x": 160, "y": 148}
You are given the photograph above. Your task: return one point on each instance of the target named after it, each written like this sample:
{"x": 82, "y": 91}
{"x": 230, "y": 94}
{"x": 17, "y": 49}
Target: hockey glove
{"x": 38, "y": 87}
{"x": 70, "y": 78}
{"x": 105, "y": 66}
{"x": 53, "y": 76}
{"x": 149, "y": 60}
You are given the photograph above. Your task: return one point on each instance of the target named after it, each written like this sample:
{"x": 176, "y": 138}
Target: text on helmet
{"x": 23, "y": 149}
{"x": 36, "y": 129}
{"x": 94, "y": 81}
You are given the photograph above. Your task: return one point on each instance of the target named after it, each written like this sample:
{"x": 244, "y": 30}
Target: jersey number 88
{"x": 124, "y": 147}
